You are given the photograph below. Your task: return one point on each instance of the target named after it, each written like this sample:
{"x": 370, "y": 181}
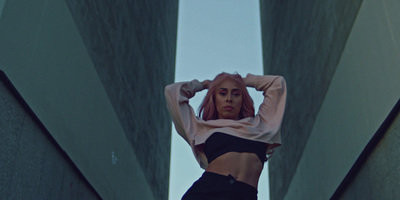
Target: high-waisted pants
{"x": 212, "y": 186}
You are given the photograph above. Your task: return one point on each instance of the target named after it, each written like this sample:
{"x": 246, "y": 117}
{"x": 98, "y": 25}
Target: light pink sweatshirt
{"x": 264, "y": 127}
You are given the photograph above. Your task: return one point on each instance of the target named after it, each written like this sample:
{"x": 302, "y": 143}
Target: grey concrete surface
{"x": 303, "y": 41}
{"x": 44, "y": 55}
{"x": 379, "y": 177}
{"x": 132, "y": 45}
{"x": 33, "y": 166}
{"x": 360, "y": 96}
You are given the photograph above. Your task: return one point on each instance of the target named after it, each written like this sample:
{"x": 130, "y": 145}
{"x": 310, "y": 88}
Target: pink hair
{"x": 208, "y": 111}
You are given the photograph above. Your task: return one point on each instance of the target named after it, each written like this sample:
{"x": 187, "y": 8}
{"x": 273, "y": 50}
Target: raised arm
{"x": 183, "y": 116}
{"x": 272, "y": 108}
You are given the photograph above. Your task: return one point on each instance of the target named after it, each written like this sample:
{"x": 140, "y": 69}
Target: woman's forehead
{"x": 229, "y": 84}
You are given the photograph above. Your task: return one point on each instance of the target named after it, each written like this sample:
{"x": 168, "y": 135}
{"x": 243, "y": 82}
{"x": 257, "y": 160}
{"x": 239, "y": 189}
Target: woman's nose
{"x": 229, "y": 98}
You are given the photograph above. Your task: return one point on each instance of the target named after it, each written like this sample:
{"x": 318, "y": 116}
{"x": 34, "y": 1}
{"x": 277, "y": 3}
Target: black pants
{"x": 212, "y": 186}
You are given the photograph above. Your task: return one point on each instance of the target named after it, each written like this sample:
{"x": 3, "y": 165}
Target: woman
{"x": 227, "y": 139}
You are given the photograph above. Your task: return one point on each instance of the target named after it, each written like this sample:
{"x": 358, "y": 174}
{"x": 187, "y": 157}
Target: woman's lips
{"x": 228, "y": 108}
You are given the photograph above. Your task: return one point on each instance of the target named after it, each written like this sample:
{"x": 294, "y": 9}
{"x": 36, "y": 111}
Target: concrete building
{"x": 82, "y": 112}
{"x": 341, "y": 61}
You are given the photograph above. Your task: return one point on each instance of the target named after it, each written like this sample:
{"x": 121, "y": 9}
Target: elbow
{"x": 168, "y": 93}
{"x": 280, "y": 82}
{"x": 167, "y": 90}
{"x": 280, "y": 85}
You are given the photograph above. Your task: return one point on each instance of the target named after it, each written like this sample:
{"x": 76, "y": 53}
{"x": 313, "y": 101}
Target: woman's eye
{"x": 236, "y": 94}
{"x": 222, "y": 93}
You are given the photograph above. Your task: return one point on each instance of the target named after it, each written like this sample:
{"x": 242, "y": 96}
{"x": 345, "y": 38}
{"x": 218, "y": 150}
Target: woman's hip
{"x": 212, "y": 186}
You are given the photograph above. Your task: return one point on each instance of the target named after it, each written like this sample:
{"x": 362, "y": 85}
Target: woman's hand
{"x": 205, "y": 83}
{"x": 247, "y": 82}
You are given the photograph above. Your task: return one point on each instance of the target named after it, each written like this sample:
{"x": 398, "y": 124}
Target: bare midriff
{"x": 244, "y": 167}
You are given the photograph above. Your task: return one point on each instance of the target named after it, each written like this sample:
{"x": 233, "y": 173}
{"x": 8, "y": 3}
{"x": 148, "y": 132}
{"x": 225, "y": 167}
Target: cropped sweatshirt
{"x": 263, "y": 127}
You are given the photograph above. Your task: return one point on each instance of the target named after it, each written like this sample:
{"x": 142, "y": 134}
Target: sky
{"x": 214, "y": 36}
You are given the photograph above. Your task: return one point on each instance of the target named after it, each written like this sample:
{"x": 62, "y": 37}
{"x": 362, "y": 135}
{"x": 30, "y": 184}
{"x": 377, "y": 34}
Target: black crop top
{"x": 220, "y": 143}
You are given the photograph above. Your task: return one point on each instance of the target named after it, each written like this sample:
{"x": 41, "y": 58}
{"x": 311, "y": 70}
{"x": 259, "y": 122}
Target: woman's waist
{"x": 243, "y": 166}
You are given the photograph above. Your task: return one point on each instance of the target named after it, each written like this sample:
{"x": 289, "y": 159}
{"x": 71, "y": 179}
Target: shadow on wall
{"x": 33, "y": 165}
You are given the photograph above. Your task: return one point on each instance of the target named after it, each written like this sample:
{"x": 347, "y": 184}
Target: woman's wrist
{"x": 205, "y": 84}
{"x": 249, "y": 80}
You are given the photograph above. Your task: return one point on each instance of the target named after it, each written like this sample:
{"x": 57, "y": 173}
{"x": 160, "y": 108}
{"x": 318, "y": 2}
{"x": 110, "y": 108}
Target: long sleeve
{"x": 272, "y": 108}
{"x": 183, "y": 116}
{"x": 264, "y": 127}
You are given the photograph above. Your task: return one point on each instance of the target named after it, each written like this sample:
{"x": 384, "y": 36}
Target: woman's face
{"x": 228, "y": 100}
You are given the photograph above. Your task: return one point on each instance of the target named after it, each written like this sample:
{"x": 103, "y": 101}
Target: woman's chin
{"x": 232, "y": 117}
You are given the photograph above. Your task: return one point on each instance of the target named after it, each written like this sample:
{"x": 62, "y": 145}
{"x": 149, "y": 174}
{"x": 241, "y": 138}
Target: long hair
{"x": 208, "y": 110}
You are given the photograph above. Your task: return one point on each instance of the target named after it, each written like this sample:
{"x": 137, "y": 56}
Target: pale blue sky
{"x": 213, "y": 36}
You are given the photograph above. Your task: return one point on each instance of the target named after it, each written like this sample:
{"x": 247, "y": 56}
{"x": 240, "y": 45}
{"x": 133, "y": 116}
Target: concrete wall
{"x": 132, "y": 45}
{"x": 337, "y": 99}
{"x": 379, "y": 177}
{"x": 68, "y": 81}
{"x": 33, "y": 166}
{"x": 2, "y": 2}
{"x": 303, "y": 41}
